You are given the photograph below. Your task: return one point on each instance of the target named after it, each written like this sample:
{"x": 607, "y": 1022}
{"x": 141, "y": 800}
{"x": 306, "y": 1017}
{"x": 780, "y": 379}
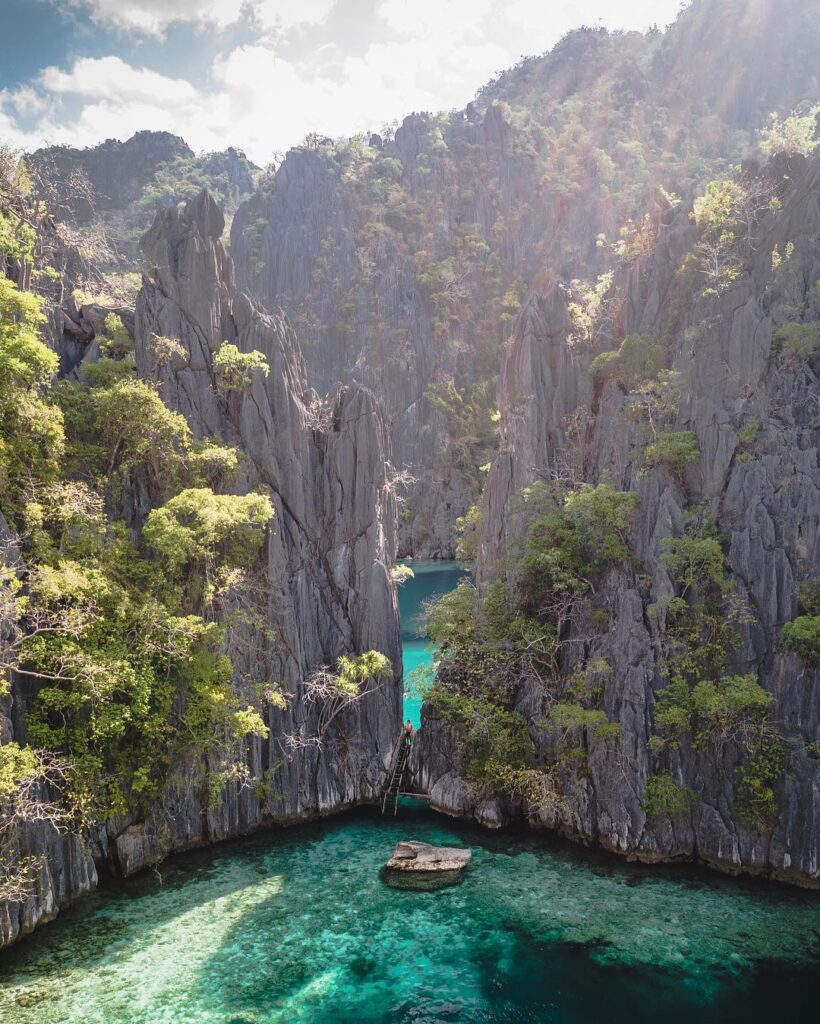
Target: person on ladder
{"x": 408, "y": 733}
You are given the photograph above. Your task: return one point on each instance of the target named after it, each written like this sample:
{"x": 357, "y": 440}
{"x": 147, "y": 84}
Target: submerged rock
{"x": 411, "y": 855}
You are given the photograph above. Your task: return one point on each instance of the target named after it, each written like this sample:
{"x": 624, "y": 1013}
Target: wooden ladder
{"x": 396, "y": 775}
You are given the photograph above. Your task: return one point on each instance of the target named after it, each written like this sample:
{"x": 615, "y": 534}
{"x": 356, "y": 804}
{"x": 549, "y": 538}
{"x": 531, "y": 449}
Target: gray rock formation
{"x": 412, "y": 855}
{"x": 325, "y": 586}
{"x": 117, "y": 171}
{"x": 765, "y": 497}
{"x": 398, "y": 259}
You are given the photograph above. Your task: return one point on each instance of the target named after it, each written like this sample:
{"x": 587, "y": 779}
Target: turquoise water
{"x": 297, "y": 926}
{"x": 431, "y": 579}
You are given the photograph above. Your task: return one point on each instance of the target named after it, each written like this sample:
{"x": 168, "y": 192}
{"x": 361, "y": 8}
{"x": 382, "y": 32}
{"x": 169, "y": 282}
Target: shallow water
{"x": 296, "y": 925}
{"x": 430, "y": 580}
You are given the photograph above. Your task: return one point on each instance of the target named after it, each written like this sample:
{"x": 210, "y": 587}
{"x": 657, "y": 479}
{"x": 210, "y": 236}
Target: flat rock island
{"x": 411, "y": 855}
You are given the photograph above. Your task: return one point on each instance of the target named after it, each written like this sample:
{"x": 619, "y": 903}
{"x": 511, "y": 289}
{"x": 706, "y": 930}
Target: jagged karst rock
{"x": 766, "y": 505}
{"x": 360, "y": 263}
{"x": 326, "y": 570}
{"x": 332, "y": 542}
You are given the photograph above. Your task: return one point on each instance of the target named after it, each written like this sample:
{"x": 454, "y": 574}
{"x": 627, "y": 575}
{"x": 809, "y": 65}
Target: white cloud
{"x": 422, "y": 55}
{"x": 104, "y": 77}
{"x": 435, "y": 17}
{"x": 286, "y": 13}
{"x": 152, "y": 17}
{"x": 27, "y": 101}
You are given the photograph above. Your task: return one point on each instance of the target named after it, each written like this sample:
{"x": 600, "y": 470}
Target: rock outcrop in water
{"x": 762, "y": 486}
{"x": 326, "y": 582}
{"x": 412, "y": 855}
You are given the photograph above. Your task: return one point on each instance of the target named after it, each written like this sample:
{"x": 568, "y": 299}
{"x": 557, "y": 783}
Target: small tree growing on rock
{"x": 233, "y": 370}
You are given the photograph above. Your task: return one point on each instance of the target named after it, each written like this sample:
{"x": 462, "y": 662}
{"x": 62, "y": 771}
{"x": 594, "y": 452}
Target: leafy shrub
{"x": 233, "y": 369}
{"x": 196, "y": 526}
{"x": 604, "y": 367}
{"x": 757, "y": 778}
{"x": 450, "y": 620}
{"x": 211, "y": 465}
{"x": 31, "y": 430}
{"x": 495, "y": 739}
{"x": 673, "y": 451}
{"x": 673, "y": 710}
{"x": 664, "y": 798}
{"x": 639, "y": 358}
{"x": 792, "y": 134}
{"x": 138, "y": 429}
{"x": 728, "y": 708}
{"x": 115, "y": 341}
{"x": 747, "y": 434}
{"x": 401, "y": 574}
{"x": 797, "y": 341}
{"x": 167, "y": 351}
{"x": 695, "y": 561}
{"x": 16, "y": 764}
{"x": 567, "y": 717}
{"x": 808, "y": 596}
{"x": 802, "y": 635}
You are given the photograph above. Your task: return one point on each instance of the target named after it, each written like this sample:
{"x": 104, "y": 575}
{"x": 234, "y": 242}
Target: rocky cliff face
{"x": 117, "y": 171}
{"x": 325, "y": 588}
{"x": 762, "y": 485}
{"x": 402, "y": 260}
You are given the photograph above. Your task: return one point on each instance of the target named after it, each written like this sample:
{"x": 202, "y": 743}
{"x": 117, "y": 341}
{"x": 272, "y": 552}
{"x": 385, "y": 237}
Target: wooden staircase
{"x": 395, "y": 776}
{"x": 396, "y": 779}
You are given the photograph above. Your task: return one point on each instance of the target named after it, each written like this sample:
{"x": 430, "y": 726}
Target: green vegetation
{"x": 126, "y": 662}
{"x": 184, "y": 178}
{"x": 233, "y": 369}
{"x": 673, "y": 451}
{"x": 639, "y": 358}
{"x": 488, "y": 644}
{"x": 747, "y": 436}
{"x": 31, "y": 429}
{"x": 728, "y": 215}
{"x": 16, "y": 765}
{"x": 797, "y": 341}
{"x": 808, "y": 596}
{"x": 664, "y": 798}
{"x": 401, "y": 574}
{"x": 574, "y": 716}
{"x": 468, "y": 530}
{"x": 570, "y": 539}
{"x": 496, "y": 746}
{"x": 702, "y": 703}
{"x": 354, "y": 672}
{"x": 802, "y": 635}
{"x": 197, "y": 531}
{"x": 793, "y": 134}
{"x": 356, "y": 677}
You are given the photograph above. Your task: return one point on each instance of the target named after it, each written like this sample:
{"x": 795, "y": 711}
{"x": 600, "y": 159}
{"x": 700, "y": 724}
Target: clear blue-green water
{"x": 297, "y": 926}
{"x": 430, "y": 580}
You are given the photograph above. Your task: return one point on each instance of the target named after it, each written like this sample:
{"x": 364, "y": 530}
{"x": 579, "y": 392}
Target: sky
{"x": 261, "y": 74}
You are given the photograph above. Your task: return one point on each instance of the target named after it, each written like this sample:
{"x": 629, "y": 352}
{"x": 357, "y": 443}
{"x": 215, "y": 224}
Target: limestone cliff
{"x": 760, "y": 483}
{"x": 324, "y": 588}
{"x": 402, "y": 259}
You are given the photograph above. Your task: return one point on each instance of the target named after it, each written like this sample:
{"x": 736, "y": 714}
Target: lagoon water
{"x": 297, "y": 926}
{"x": 430, "y": 579}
